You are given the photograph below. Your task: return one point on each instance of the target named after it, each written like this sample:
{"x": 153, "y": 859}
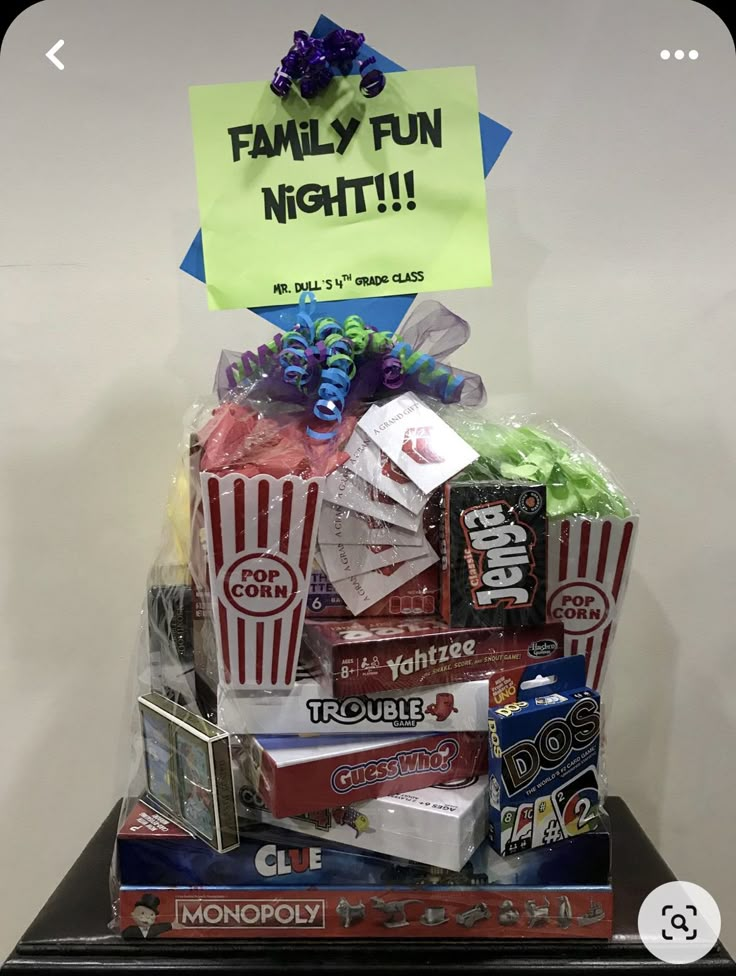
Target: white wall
{"x": 613, "y": 232}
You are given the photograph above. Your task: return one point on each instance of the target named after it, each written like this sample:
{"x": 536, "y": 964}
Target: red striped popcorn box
{"x": 260, "y": 536}
{"x": 588, "y": 563}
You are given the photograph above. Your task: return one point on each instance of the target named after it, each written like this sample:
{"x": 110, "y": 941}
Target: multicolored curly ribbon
{"x": 440, "y": 379}
{"x": 250, "y": 363}
{"x": 321, "y": 358}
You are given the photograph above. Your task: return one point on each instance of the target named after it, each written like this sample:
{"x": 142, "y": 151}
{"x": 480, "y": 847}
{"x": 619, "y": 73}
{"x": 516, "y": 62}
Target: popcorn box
{"x": 494, "y": 550}
{"x": 543, "y": 760}
{"x": 296, "y": 775}
{"x": 366, "y": 655}
{"x": 309, "y": 708}
{"x": 589, "y": 560}
{"x": 440, "y": 825}
{"x": 260, "y": 533}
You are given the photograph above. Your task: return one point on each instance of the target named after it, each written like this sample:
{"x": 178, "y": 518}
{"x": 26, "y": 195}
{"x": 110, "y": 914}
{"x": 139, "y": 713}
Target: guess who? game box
{"x": 494, "y": 543}
{"x": 295, "y": 774}
{"x": 543, "y": 759}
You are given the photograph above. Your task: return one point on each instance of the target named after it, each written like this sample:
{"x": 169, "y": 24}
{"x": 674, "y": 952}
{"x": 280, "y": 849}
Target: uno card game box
{"x": 189, "y": 774}
{"x": 543, "y": 760}
{"x": 504, "y": 685}
{"x": 494, "y": 546}
{"x": 299, "y": 774}
{"x": 439, "y": 825}
{"x": 362, "y": 656}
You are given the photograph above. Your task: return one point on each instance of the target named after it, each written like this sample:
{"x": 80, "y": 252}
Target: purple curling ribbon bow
{"x": 312, "y": 62}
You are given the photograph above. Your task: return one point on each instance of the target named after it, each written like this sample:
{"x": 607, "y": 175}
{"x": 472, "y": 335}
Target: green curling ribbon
{"x": 575, "y": 485}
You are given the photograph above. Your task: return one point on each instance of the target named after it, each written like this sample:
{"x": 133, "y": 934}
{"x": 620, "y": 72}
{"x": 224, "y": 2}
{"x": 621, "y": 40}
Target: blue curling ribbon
{"x": 437, "y": 377}
{"x": 321, "y": 347}
{"x": 298, "y": 344}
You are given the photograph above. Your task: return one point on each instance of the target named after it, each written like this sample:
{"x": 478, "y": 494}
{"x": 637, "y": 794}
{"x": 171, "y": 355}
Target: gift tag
{"x": 421, "y": 444}
{"x": 342, "y": 561}
{"x": 361, "y": 592}
{"x": 369, "y": 462}
{"x": 344, "y": 525}
{"x": 349, "y": 491}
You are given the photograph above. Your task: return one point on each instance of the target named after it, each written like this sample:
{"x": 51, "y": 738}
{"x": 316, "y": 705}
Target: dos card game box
{"x": 494, "y": 543}
{"x": 361, "y": 656}
{"x": 189, "y": 774}
{"x": 298, "y": 774}
{"x": 543, "y": 759}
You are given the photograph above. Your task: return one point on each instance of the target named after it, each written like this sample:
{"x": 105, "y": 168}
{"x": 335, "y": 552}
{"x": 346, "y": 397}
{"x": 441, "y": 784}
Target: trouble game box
{"x": 309, "y": 708}
{"x": 298, "y": 774}
{"x": 370, "y": 655}
{"x": 543, "y": 760}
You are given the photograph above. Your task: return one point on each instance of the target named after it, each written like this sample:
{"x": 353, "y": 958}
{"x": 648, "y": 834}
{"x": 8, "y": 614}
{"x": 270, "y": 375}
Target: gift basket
{"x": 373, "y": 645}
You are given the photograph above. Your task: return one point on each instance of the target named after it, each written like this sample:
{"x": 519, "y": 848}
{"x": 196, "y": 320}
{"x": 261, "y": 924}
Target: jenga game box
{"x": 543, "y": 759}
{"x": 370, "y": 655}
{"x": 494, "y": 547}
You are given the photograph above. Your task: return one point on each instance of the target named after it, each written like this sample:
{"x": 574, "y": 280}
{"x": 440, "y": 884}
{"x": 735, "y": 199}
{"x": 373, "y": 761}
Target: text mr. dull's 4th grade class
{"x": 337, "y": 283}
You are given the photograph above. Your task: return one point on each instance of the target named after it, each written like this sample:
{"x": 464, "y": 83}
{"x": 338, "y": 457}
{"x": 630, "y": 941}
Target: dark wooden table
{"x": 71, "y": 936}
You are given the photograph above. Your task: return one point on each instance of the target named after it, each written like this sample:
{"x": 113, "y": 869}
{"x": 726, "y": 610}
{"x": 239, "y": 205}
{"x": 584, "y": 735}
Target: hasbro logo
{"x": 542, "y": 648}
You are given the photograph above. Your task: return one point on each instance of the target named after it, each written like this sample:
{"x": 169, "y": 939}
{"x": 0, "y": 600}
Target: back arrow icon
{"x": 52, "y": 51}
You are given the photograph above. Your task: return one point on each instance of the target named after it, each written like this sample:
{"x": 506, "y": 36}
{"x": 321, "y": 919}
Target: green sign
{"x": 345, "y": 196}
